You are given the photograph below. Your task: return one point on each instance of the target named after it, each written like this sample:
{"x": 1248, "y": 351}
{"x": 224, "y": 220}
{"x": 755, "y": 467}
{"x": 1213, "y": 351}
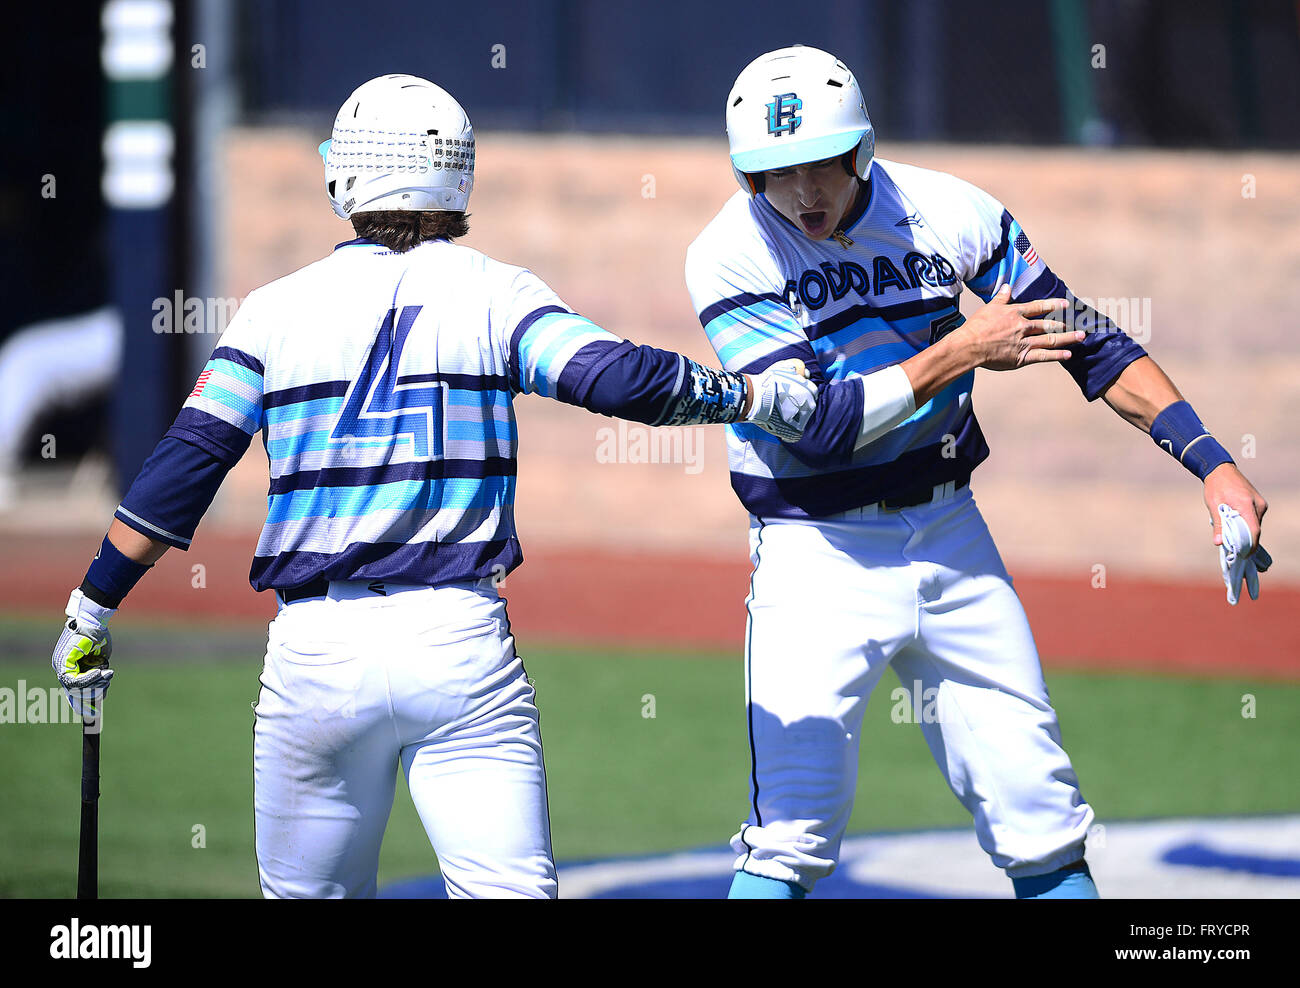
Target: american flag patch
{"x": 1026, "y": 248}
{"x": 203, "y": 379}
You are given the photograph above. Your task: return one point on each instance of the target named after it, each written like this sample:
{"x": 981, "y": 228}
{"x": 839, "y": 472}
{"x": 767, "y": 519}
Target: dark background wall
{"x": 1195, "y": 73}
{"x": 53, "y": 254}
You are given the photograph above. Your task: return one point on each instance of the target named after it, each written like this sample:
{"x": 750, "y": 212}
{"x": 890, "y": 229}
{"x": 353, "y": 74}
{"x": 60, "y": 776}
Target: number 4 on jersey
{"x": 382, "y": 405}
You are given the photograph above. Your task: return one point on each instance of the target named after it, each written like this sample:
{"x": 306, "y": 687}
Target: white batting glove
{"x": 1236, "y": 558}
{"x": 784, "y": 400}
{"x": 81, "y": 655}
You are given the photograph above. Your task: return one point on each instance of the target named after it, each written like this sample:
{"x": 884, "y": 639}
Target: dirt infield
{"x": 675, "y": 601}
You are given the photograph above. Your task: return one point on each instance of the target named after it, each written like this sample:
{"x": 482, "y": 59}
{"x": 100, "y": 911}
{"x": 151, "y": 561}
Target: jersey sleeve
{"x": 553, "y": 351}
{"x": 559, "y": 354}
{"x": 994, "y": 251}
{"x": 178, "y": 482}
{"x": 224, "y": 411}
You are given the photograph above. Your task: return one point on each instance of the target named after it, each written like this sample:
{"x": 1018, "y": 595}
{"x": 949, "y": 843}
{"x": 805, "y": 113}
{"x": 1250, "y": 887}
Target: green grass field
{"x": 177, "y": 754}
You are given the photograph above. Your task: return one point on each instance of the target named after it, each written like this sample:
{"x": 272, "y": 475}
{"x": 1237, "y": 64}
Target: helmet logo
{"x": 782, "y": 115}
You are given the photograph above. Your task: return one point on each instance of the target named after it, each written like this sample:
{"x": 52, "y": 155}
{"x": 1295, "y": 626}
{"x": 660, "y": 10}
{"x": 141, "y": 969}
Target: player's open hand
{"x": 1005, "y": 336}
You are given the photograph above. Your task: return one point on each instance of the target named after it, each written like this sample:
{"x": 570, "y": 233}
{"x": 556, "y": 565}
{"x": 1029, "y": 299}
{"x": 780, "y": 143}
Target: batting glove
{"x": 81, "y": 655}
{"x": 784, "y": 400}
{"x": 1236, "y": 558}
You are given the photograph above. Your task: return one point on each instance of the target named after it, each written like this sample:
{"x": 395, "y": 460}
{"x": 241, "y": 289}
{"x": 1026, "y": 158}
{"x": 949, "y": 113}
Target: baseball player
{"x": 381, "y": 379}
{"x": 867, "y": 546}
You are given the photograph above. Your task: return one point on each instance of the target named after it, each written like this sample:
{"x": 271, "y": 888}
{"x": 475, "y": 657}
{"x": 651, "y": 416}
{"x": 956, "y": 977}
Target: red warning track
{"x": 600, "y": 597}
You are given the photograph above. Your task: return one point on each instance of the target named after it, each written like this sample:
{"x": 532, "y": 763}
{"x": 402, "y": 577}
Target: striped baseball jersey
{"x": 382, "y": 384}
{"x": 765, "y": 292}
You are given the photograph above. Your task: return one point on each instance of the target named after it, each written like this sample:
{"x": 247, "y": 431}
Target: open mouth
{"x": 813, "y": 222}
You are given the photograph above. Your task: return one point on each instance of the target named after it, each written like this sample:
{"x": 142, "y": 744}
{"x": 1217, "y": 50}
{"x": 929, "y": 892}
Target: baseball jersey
{"x": 765, "y": 292}
{"x": 382, "y": 384}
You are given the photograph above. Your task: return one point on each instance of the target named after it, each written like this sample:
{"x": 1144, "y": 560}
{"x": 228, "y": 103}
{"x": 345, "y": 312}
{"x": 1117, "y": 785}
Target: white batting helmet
{"x": 792, "y": 106}
{"x": 400, "y": 142}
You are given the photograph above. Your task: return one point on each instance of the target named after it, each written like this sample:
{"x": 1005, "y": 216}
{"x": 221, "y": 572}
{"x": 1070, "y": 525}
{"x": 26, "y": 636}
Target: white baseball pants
{"x": 835, "y": 601}
{"x": 356, "y": 684}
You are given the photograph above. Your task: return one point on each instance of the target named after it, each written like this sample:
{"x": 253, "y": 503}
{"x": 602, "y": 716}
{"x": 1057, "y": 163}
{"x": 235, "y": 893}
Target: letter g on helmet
{"x": 792, "y": 106}
{"x": 400, "y": 142}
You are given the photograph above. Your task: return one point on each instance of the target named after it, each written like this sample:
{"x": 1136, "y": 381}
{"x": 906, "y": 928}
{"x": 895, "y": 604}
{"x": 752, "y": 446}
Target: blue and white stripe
{"x": 544, "y": 344}
{"x": 746, "y": 329}
{"x": 469, "y": 333}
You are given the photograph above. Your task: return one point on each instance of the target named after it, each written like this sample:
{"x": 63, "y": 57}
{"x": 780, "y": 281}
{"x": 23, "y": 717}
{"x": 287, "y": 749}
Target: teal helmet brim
{"x": 796, "y": 152}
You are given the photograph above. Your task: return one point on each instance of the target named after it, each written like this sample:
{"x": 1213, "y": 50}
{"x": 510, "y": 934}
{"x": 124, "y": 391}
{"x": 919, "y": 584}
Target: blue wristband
{"x": 111, "y": 576}
{"x": 1179, "y": 431}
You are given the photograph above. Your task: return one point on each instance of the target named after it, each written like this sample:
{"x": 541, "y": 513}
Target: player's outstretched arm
{"x": 1144, "y": 396}
{"x": 660, "y": 387}
{"x": 562, "y": 355}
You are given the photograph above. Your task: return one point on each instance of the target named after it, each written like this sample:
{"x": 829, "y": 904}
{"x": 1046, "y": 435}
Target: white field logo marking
{"x": 91, "y": 942}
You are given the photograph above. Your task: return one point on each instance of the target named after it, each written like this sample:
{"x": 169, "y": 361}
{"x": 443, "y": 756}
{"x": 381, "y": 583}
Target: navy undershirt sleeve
{"x": 649, "y": 385}
{"x": 1105, "y": 351}
{"x": 173, "y": 490}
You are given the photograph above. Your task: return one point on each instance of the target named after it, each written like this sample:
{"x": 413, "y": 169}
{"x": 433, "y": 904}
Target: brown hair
{"x": 402, "y": 229}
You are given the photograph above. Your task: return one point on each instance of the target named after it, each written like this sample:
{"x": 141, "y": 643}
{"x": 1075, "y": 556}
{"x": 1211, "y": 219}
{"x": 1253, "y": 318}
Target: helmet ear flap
{"x": 751, "y": 182}
{"x": 849, "y": 159}
{"x": 859, "y": 157}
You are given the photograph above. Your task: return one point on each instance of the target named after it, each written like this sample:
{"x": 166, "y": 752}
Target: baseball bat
{"x": 88, "y": 851}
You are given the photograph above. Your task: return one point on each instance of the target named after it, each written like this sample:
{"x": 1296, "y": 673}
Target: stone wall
{"x": 606, "y": 221}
